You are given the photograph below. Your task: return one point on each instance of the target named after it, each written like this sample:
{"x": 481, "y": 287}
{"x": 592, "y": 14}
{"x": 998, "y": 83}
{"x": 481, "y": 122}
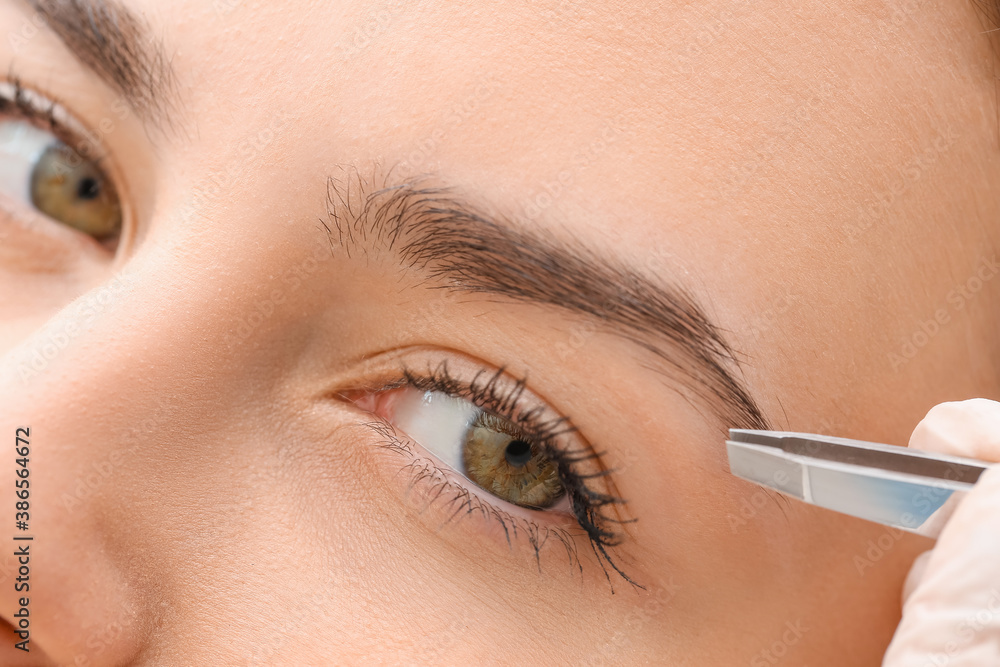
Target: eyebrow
{"x": 117, "y": 45}
{"x": 460, "y": 248}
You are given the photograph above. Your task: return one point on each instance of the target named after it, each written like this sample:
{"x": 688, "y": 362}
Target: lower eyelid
{"x": 58, "y": 246}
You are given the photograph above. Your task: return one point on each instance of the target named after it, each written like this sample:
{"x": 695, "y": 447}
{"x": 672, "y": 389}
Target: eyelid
{"x": 48, "y": 113}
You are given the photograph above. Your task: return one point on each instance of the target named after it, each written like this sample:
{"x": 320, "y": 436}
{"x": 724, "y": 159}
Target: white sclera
{"x": 437, "y": 422}
{"x": 21, "y": 145}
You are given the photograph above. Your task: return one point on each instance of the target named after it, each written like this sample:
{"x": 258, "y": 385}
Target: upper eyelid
{"x": 28, "y": 104}
{"x": 528, "y": 412}
{"x": 386, "y": 371}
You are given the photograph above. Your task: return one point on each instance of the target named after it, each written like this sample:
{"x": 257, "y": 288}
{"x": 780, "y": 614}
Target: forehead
{"x": 690, "y": 138}
{"x": 675, "y": 136}
{"x": 677, "y": 117}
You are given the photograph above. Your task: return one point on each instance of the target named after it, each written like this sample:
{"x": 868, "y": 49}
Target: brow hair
{"x": 989, "y": 13}
{"x": 457, "y": 247}
{"x": 989, "y": 17}
{"x": 117, "y": 45}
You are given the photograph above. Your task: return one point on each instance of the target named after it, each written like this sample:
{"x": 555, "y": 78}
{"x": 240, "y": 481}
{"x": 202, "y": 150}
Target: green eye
{"x": 43, "y": 173}
{"x": 73, "y": 190}
{"x": 503, "y": 461}
{"x": 492, "y": 452}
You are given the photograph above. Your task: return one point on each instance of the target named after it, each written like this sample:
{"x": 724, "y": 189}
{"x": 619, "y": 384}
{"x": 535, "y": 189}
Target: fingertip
{"x": 916, "y": 574}
{"x": 969, "y": 428}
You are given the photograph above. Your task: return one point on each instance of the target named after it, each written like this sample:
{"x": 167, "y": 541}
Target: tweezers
{"x": 900, "y": 487}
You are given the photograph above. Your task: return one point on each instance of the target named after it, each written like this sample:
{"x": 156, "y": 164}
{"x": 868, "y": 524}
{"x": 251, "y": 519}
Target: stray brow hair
{"x": 117, "y": 45}
{"x": 433, "y": 231}
{"x": 988, "y": 12}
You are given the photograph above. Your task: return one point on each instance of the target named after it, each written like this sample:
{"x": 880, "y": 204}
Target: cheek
{"x": 158, "y": 431}
{"x": 728, "y": 546}
{"x": 41, "y": 271}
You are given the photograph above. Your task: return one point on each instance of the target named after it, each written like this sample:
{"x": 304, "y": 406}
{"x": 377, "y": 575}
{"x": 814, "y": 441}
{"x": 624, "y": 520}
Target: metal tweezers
{"x": 905, "y": 488}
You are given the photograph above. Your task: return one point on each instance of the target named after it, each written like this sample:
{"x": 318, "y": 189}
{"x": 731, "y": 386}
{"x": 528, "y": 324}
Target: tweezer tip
{"x": 754, "y": 436}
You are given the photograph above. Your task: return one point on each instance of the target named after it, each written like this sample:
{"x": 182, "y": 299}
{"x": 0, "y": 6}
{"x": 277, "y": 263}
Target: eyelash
{"x": 488, "y": 391}
{"x": 24, "y": 105}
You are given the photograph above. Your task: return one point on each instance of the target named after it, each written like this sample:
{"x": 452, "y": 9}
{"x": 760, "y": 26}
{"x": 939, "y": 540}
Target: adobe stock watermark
{"x": 484, "y": 88}
{"x": 443, "y": 644}
{"x": 249, "y": 149}
{"x": 566, "y": 10}
{"x": 750, "y": 507}
{"x": 791, "y": 635}
{"x": 876, "y": 550}
{"x": 657, "y": 601}
{"x": 376, "y": 21}
{"x": 19, "y": 36}
{"x": 289, "y": 282}
{"x": 956, "y": 300}
{"x": 293, "y": 622}
{"x": 98, "y": 473}
{"x": 925, "y": 502}
{"x": 97, "y": 643}
{"x": 225, "y": 7}
{"x": 705, "y": 37}
{"x": 101, "y": 471}
{"x": 778, "y": 140}
{"x": 915, "y": 169}
{"x": 764, "y": 319}
{"x": 36, "y": 358}
{"x": 904, "y": 12}
{"x": 971, "y": 625}
{"x": 584, "y": 156}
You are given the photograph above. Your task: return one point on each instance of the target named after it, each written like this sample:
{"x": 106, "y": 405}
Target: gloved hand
{"x": 951, "y": 601}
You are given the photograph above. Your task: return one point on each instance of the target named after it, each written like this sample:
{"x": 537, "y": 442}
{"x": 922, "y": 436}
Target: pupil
{"x": 88, "y": 189}
{"x": 518, "y": 453}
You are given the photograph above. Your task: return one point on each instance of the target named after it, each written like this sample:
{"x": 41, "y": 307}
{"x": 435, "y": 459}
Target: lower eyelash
{"x": 460, "y": 502}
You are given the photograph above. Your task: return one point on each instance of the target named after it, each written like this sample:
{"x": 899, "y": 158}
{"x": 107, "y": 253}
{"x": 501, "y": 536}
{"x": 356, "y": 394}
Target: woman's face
{"x": 656, "y": 221}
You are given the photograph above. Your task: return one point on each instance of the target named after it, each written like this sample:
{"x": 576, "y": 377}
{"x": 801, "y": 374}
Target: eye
{"x": 489, "y": 450}
{"x": 37, "y": 168}
{"x": 537, "y": 474}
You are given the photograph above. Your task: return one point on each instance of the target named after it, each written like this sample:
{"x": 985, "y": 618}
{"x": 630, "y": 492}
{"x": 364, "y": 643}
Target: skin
{"x": 249, "y": 518}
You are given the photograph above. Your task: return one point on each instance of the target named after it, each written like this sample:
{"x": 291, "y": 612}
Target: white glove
{"x": 951, "y": 601}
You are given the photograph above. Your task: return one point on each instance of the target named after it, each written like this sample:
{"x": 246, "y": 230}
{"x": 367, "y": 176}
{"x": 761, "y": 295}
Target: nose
{"x": 68, "y": 593}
